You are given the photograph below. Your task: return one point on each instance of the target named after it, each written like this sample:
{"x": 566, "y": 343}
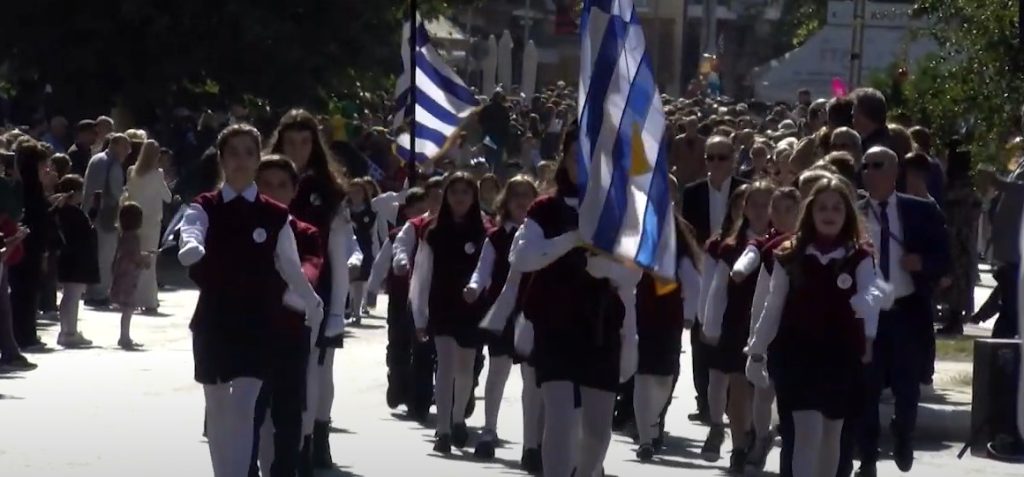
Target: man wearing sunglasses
{"x": 911, "y": 245}
{"x": 706, "y": 208}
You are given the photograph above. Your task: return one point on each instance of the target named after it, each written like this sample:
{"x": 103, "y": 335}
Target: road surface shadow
{"x": 336, "y": 472}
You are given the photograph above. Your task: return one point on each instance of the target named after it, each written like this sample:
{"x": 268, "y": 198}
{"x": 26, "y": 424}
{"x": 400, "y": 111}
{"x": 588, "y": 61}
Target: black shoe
{"x": 645, "y": 453}
{"x": 484, "y": 450}
{"x": 460, "y": 435}
{"x": 10, "y": 364}
{"x": 322, "y": 446}
{"x": 738, "y": 462}
{"x": 701, "y": 417}
{"x": 867, "y": 469}
{"x": 531, "y": 461}
{"x": 658, "y": 443}
{"x": 418, "y": 414}
{"x": 305, "y": 464}
{"x": 712, "y": 449}
{"x": 394, "y": 395}
{"x": 443, "y": 445}
{"x": 902, "y": 450}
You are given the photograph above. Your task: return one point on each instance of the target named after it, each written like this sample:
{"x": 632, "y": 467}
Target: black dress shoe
{"x": 322, "y": 446}
{"x": 394, "y": 395}
{"x": 645, "y": 453}
{"x": 701, "y": 417}
{"x": 460, "y": 435}
{"x": 531, "y": 461}
{"x": 867, "y": 469}
{"x": 443, "y": 445}
{"x": 484, "y": 450}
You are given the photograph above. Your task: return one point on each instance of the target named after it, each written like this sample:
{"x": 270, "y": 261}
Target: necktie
{"x": 884, "y": 238}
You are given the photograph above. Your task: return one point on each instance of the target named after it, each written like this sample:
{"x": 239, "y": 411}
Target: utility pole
{"x": 857, "y": 42}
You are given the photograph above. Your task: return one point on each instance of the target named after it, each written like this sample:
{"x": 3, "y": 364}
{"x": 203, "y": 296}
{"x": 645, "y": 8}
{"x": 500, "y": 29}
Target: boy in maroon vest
{"x": 282, "y": 395}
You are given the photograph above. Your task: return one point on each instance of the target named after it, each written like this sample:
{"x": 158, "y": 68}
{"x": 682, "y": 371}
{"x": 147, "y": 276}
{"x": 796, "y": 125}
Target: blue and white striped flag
{"x": 439, "y": 103}
{"x": 623, "y": 175}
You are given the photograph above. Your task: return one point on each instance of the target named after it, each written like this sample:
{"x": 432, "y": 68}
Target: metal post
{"x": 527, "y": 22}
{"x": 711, "y": 27}
{"x": 857, "y": 42}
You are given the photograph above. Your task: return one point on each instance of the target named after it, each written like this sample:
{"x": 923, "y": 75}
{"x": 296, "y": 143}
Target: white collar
{"x": 509, "y": 225}
{"x": 248, "y": 194}
{"x": 889, "y": 201}
{"x": 572, "y": 202}
{"x": 726, "y": 186}
{"x": 826, "y": 257}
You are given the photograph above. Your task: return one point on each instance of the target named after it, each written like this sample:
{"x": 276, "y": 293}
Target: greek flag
{"x": 623, "y": 171}
{"x": 436, "y": 105}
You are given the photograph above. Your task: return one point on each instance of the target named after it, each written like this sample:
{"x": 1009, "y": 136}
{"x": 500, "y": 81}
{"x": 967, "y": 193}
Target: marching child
{"x": 726, "y": 328}
{"x": 241, "y": 252}
{"x": 758, "y": 256}
{"x": 364, "y": 219}
{"x": 446, "y": 255}
{"x": 279, "y": 407}
{"x": 129, "y": 261}
{"x": 660, "y": 320}
{"x": 77, "y": 265}
{"x": 817, "y": 326}
{"x": 484, "y": 287}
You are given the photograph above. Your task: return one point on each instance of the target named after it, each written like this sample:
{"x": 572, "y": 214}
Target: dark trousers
{"x": 700, "y": 368}
{"x": 423, "y": 362}
{"x": 787, "y": 436}
{"x": 1006, "y": 326}
{"x": 897, "y": 363}
{"x": 401, "y": 337}
{"x": 48, "y": 285}
{"x": 284, "y": 395}
{"x": 25, "y": 278}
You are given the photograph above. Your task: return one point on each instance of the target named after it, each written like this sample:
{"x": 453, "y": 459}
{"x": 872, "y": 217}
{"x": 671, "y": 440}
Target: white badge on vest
{"x": 845, "y": 281}
{"x": 366, "y": 219}
{"x": 315, "y": 199}
{"x": 259, "y": 235}
{"x": 470, "y": 248}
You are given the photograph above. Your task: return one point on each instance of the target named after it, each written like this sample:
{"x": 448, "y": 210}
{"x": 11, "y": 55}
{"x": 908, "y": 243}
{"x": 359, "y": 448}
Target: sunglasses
{"x": 873, "y": 165}
{"x": 717, "y": 157}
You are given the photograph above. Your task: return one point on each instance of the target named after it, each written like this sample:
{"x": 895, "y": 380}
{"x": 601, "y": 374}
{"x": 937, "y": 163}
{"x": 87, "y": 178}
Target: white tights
{"x": 730, "y": 390}
{"x": 230, "y": 410}
{"x": 355, "y": 296}
{"x": 816, "y": 444}
{"x": 69, "y": 302}
{"x": 763, "y": 399}
{"x": 497, "y": 375}
{"x": 454, "y": 382}
{"x": 650, "y": 394}
{"x": 319, "y": 389}
{"x": 564, "y": 433}
{"x": 533, "y": 408}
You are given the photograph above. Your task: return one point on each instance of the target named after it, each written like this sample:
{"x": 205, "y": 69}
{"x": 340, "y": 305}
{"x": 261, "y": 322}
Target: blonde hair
{"x": 149, "y": 158}
{"x": 136, "y": 135}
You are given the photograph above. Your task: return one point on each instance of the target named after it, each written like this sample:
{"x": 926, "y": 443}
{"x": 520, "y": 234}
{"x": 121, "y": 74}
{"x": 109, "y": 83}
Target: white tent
{"x": 890, "y": 35}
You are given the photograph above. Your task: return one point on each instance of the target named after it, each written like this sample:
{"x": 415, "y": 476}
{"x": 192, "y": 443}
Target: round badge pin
{"x": 259, "y": 235}
{"x": 315, "y": 199}
{"x": 844, "y": 281}
{"x": 470, "y": 248}
{"x": 366, "y": 219}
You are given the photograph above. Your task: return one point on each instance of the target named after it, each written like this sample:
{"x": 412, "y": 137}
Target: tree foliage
{"x": 146, "y": 55}
{"x": 974, "y": 86}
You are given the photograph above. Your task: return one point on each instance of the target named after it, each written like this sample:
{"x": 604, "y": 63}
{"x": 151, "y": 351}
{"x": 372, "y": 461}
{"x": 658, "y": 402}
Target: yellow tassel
{"x": 664, "y": 287}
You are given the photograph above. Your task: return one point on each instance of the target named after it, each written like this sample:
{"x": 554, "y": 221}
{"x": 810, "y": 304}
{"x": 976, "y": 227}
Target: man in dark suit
{"x": 870, "y": 113}
{"x": 912, "y": 249}
{"x": 706, "y": 208}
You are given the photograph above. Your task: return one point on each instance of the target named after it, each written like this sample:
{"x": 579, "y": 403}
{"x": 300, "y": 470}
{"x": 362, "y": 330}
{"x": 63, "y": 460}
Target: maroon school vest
{"x": 456, "y": 251}
{"x": 307, "y": 240}
{"x": 240, "y": 289}
{"x": 740, "y": 296}
{"x": 817, "y": 315}
{"x": 315, "y": 204}
{"x": 768, "y": 249}
{"x": 501, "y": 240}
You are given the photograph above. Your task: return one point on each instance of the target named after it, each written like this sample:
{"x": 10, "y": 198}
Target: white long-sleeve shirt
{"x": 386, "y": 207}
{"x": 484, "y": 272}
{"x": 710, "y": 266}
{"x": 286, "y": 254}
{"x": 419, "y": 286}
{"x": 865, "y": 302}
{"x": 405, "y": 244}
{"x": 689, "y": 279}
{"x": 381, "y": 266}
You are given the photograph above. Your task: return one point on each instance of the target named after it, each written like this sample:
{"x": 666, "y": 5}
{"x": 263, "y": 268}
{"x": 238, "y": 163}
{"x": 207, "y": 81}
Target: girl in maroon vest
{"x": 726, "y": 327}
{"x": 318, "y": 203}
{"x": 242, "y": 255}
{"x": 660, "y": 320}
{"x": 489, "y": 280}
{"x": 581, "y": 308}
{"x": 759, "y": 257}
{"x": 446, "y": 255}
{"x": 817, "y": 326}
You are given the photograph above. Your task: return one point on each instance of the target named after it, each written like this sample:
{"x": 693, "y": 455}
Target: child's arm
{"x": 192, "y": 245}
{"x": 342, "y": 241}
{"x": 481, "y": 278}
{"x": 379, "y": 272}
{"x": 286, "y": 258}
{"x": 419, "y": 290}
{"x": 690, "y": 280}
{"x": 405, "y": 243}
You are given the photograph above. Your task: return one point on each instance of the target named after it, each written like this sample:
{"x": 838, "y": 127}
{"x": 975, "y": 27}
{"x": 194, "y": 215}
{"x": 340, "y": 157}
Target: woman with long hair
{"x": 446, "y": 256}
{"x": 818, "y": 325}
{"x": 318, "y": 202}
{"x": 147, "y": 188}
